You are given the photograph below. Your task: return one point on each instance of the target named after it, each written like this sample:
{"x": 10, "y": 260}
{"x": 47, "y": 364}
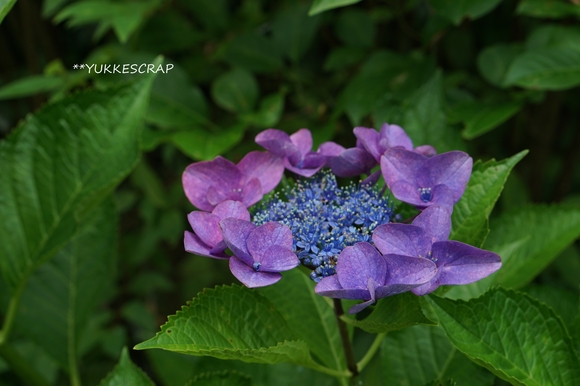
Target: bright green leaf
{"x": 58, "y": 164}
{"x": 296, "y": 301}
{"x": 545, "y": 69}
{"x": 563, "y": 301}
{"x": 231, "y": 323}
{"x": 126, "y": 373}
{"x": 65, "y": 291}
{"x": 548, "y": 9}
{"x": 202, "y": 145}
{"x": 457, "y": 10}
{"x": 471, "y": 213}
{"x": 5, "y": 7}
{"x": 494, "y": 62}
{"x": 235, "y": 91}
{"x": 481, "y": 118}
{"x": 393, "y": 313}
{"x": 420, "y": 354}
{"x": 31, "y": 85}
{"x": 221, "y": 378}
{"x": 293, "y": 31}
{"x": 319, "y": 6}
{"x": 517, "y": 338}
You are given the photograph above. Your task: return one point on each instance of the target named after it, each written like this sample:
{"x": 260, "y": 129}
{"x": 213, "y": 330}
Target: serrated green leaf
{"x": 231, "y": 323}
{"x": 471, "y": 213}
{"x": 547, "y": 9}
{"x": 481, "y": 118}
{"x": 514, "y": 336}
{"x": 201, "y": 145}
{"x": 418, "y": 355}
{"x": 319, "y": 6}
{"x": 296, "y": 301}
{"x": 221, "y": 378}
{"x": 65, "y": 291}
{"x": 393, "y": 313}
{"x": 60, "y": 163}
{"x": 235, "y": 91}
{"x": 548, "y": 230}
{"x": 457, "y": 10}
{"x": 554, "y": 68}
{"x": 564, "y": 302}
{"x": 494, "y": 62}
{"x": 293, "y": 31}
{"x": 5, "y": 7}
{"x": 31, "y": 85}
{"x": 126, "y": 373}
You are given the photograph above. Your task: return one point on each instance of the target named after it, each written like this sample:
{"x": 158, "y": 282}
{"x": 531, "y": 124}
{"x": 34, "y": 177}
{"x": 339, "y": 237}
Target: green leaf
{"x": 293, "y": 31}
{"x": 547, "y": 9}
{"x": 547, "y": 231}
{"x": 457, "y": 10}
{"x": 296, "y": 301}
{"x": 221, "y": 378}
{"x": 342, "y": 57}
{"x": 564, "y": 302}
{"x": 269, "y": 113}
{"x": 202, "y": 145}
{"x": 235, "y": 91}
{"x": 31, "y": 85}
{"x": 480, "y": 118}
{"x": 126, "y": 373}
{"x": 65, "y": 291}
{"x": 5, "y": 7}
{"x": 393, "y": 313}
{"x": 549, "y": 36}
{"x": 319, "y": 6}
{"x": 517, "y": 338}
{"x": 58, "y": 164}
{"x": 554, "y": 68}
{"x": 471, "y": 213}
{"x": 355, "y": 28}
{"x": 231, "y": 323}
{"x": 494, "y": 62}
{"x": 421, "y": 354}
{"x": 254, "y": 52}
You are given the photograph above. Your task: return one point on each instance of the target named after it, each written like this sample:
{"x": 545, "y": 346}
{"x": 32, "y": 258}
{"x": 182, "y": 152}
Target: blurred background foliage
{"x": 490, "y": 77}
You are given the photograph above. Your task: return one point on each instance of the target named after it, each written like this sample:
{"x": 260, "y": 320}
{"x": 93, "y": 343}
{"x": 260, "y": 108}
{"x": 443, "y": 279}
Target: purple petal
{"x": 330, "y": 287}
{"x": 309, "y": 166}
{"x": 352, "y": 162}
{"x": 264, "y": 166}
{"x": 251, "y": 278}
{"x": 402, "y": 239}
{"x": 359, "y": 263}
{"x": 395, "y": 136}
{"x": 215, "y": 196}
{"x": 252, "y": 192}
{"x": 200, "y": 176}
{"x": 277, "y": 142}
{"x": 441, "y": 196}
{"x": 206, "y": 227}
{"x": 409, "y": 271}
{"x": 452, "y": 169}
{"x": 194, "y": 245}
{"x": 277, "y": 259}
{"x": 426, "y": 150}
{"x": 330, "y": 149}
{"x": 428, "y": 287}
{"x": 235, "y": 233}
{"x": 302, "y": 139}
{"x": 267, "y": 235}
{"x": 401, "y": 165}
{"x": 369, "y": 139}
{"x": 435, "y": 221}
{"x": 460, "y": 263}
{"x": 233, "y": 209}
{"x": 407, "y": 192}
{"x": 371, "y": 285}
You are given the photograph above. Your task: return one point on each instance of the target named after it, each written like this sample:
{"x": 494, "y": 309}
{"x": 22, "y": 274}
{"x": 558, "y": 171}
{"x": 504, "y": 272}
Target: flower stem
{"x": 371, "y": 352}
{"x": 11, "y": 313}
{"x": 346, "y": 344}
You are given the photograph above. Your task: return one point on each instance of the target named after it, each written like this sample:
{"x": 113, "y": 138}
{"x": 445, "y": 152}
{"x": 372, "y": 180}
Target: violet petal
{"x": 452, "y": 169}
{"x": 395, "y": 136}
{"x": 405, "y": 273}
{"x": 426, "y": 150}
{"x": 435, "y": 221}
{"x": 193, "y": 244}
{"x": 359, "y": 263}
{"x": 277, "y": 142}
{"x": 235, "y": 233}
{"x": 369, "y": 139}
{"x": 352, "y": 162}
{"x": 251, "y": 278}
{"x": 206, "y": 227}
{"x": 277, "y": 259}
{"x": 402, "y": 239}
{"x": 401, "y": 165}
{"x": 330, "y": 287}
{"x": 461, "y": 263}
{"x": 302, "y": 139}
{"x": 252, "y": 192}
{"x": 233, "y": 209}
{"x": 264, "y": 166}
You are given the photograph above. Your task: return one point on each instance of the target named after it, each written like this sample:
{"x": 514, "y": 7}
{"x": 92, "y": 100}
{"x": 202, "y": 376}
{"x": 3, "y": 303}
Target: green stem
{"x": 329, "y": 371}
{"x": 22, "y": 367}
{"x": 346, "y": 344}
{"x": 371, "y": 352}
{"x": 11, "y": 313}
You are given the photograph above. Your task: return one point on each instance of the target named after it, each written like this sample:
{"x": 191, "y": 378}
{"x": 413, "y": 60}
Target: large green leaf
{"x": 420, "y": 354}
{"x": 202, "y": 145}
{"x": 514, "y": 336}
{"x": 65, "y": 291}
{"x": 30, "y": 85}
{"x": 235, "y": 91}
{"x": 126, "y": 373}
{"x": 554, "y": 36}
{"x": 231, "y": 323}
{"x": 393, "y": 313}
{"x": 494, "y": 62}
{"x": 5, "y": 7}
{"x": 319, "y": 6}
{"x": 479, "y": 118}
{"x": 296, "y": 301}
{"x": 58, "y": 164}
{"x": 471, "y": 213}
{"x": 457, "y": 10}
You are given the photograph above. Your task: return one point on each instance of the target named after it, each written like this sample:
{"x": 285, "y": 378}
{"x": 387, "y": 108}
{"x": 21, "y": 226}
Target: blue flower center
{"x": 256, "y": 266}
{"x": 325, "y": 218}
{"x": 425, "y": 194}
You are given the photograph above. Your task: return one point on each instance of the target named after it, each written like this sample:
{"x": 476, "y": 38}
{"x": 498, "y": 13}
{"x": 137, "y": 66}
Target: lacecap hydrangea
{"x": 351, "y": 238}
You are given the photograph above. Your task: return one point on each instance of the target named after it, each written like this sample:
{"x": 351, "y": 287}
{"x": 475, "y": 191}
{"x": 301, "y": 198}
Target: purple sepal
{"x": 459, "y": 263}
{"x": 251, "y": 278}
{"x": 352, "y": 162}
{"x": 236, "y": 233}
{"x": 406, "y": 273}
{"x": 435, "y": 221}
{"x": 402, "y": 239}
{"x": 193, "y": 244}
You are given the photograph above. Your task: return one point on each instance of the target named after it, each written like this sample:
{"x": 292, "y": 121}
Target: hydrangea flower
{"x": 295, "y": 150}
{"x": 208, "y": 183}
{"x": 422, "y": 181}
{"x": 347, "y": 162}
{"x": 260, "y": 253}
{"x": 207, "y": 239}
{"x": 363, "y": 273}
